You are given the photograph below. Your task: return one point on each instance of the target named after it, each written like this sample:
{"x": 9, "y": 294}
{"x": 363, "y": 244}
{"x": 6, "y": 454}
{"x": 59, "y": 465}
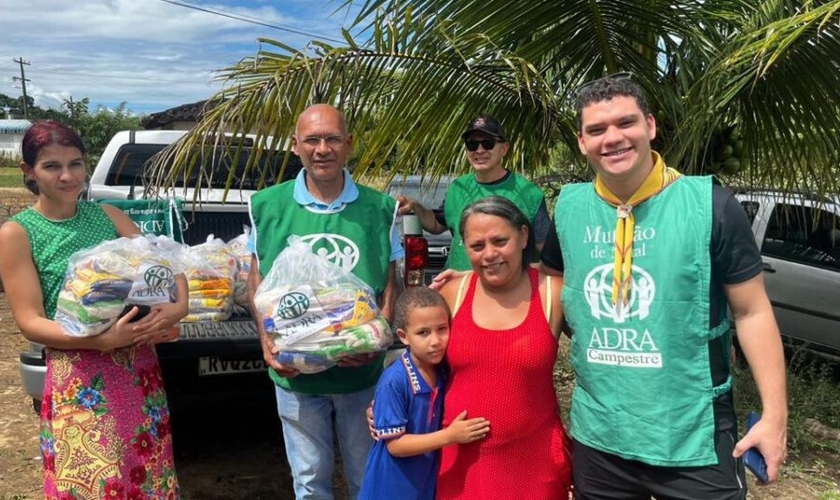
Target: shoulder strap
{"x": 547, "y": 304}
{"x": 459, "y": 298}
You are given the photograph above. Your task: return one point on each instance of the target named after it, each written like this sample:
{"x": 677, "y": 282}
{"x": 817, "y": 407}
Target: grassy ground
{"x": 10, "y": 177}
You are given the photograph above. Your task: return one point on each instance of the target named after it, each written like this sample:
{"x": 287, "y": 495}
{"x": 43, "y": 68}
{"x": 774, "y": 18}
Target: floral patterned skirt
{"x": 105, "y": 429}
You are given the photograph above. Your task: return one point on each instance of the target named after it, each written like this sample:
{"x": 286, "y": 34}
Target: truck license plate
{"x": 216, "y": 366}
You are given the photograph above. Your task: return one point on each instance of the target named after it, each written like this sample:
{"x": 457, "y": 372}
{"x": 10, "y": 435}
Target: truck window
{"x": 129, "y": 168}
{"x": 803, "y": 234}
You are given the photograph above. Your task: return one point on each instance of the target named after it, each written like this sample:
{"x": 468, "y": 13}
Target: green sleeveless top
{"x": 53, "y": 242}
{"x": 466, "y": 189}
{"x": 643, "y": 383}
{"x": 357, "y": 237}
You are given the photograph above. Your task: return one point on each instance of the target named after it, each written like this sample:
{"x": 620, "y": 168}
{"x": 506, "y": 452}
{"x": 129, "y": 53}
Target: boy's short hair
{"x": 605, "y": 89}
{"x": 415, "y": 298}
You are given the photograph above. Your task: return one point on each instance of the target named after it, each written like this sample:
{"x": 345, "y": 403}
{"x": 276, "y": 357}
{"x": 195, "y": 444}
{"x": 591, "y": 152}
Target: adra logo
{"x": 293, "y": 305}
{"x": 338, "y": 249}
{"x": 157, "y": 279}
{"x": 597, "y": 289}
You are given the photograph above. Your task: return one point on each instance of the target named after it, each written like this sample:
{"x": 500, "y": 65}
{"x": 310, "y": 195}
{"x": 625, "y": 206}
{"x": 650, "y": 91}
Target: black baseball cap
{"x": 486, "y": 124}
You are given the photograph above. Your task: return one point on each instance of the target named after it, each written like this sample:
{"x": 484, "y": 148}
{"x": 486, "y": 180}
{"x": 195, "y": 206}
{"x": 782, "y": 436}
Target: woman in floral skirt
{"x": 105, "y": 428}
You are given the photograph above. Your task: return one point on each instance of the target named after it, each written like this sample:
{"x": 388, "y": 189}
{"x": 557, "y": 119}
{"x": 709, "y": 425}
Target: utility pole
{"x": 23, "y": 81}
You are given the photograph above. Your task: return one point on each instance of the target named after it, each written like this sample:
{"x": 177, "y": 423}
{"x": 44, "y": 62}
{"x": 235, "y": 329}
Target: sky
{"x": 150, "y": 54}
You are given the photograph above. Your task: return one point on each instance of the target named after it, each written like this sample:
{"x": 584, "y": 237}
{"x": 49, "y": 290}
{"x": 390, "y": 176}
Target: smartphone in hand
{"x": 753, "y": 458}
{"x": 141, "y": 313}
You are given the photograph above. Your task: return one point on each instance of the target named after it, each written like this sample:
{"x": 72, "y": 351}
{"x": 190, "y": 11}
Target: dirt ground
{"x": 224, "y": 453}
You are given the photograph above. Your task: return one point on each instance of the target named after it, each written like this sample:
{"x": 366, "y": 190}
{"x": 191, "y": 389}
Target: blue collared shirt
{"x": 349, "y": 194}
{"x": 404, "y": 404}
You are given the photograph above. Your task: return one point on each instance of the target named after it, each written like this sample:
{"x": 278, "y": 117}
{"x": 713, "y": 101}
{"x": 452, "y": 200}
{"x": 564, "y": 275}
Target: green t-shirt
{"x": 466, "y": 189}
{"x": 53, "y": 242}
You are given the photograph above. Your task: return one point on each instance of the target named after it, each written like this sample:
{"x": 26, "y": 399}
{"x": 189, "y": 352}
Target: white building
{"x": 11, "y": 135}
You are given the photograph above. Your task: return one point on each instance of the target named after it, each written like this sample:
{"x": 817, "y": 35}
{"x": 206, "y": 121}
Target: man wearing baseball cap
{"x": 485, "y": 145}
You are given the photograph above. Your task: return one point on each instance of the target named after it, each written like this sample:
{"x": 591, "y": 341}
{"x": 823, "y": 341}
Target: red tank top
{"x": 505, "y": 376}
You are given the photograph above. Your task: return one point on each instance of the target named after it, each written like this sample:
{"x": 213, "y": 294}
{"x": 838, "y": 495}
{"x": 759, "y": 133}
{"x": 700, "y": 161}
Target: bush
{"x": 813, "y": 389}
{"x": 10, "y": 162}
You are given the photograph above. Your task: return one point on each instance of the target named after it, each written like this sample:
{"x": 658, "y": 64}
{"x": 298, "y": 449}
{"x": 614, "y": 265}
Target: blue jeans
{"x": 308, "y": 433}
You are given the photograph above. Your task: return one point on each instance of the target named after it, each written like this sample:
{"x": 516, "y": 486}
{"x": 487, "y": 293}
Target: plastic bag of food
{"x": 210, "y": 270}
{"x": 318, "y": 312}
{"x": 239, "y": 248}
{"x": 103, "y": 281}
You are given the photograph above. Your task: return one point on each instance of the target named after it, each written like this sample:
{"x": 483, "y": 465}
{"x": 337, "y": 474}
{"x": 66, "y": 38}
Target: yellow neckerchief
{"x": 659, "y": 178}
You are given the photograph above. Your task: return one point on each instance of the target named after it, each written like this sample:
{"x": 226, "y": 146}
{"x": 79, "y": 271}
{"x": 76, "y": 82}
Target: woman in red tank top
{"x": 501, "y": 354}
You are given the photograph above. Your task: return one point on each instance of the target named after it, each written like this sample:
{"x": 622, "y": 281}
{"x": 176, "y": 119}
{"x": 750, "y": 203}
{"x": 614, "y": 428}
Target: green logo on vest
{"x": 597, "y": 289}
{"x": 613, "y": 345}
{"x": 293, "y": 305}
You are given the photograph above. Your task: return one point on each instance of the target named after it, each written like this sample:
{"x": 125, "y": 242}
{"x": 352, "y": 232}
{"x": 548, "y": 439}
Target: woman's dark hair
{"x": 46, "y": 133}
{"x": 505, "y": 210}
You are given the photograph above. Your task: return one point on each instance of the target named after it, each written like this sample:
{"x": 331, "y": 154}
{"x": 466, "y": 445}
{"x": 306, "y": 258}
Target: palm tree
{"x": 758, "y": 81}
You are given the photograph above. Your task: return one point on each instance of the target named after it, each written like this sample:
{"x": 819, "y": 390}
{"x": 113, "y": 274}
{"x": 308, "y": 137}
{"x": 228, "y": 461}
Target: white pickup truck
{"x": 209, "y": 357}
{"x": 799, "y": 238}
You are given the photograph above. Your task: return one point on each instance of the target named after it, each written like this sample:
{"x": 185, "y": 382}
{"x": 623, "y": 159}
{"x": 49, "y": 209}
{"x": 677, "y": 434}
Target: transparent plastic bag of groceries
{"x": 318, "y": 312}
{"x": 210, "y": 271}
{"x": 103, "y": 282}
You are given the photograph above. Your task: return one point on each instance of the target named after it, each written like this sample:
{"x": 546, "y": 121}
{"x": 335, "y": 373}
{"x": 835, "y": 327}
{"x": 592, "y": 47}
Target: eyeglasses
{"x": 333, "y": 141}
{"x": 622, "y": 75}
{"x": 487, "y": 144}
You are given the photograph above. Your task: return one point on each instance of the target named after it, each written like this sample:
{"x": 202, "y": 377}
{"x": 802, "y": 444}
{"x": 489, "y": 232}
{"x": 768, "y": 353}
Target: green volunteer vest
{"x": 53, "y": 242}
{"x": 466, "y": 189}
{"x": 357, "y": 237}
{"x": 643, "y": 383}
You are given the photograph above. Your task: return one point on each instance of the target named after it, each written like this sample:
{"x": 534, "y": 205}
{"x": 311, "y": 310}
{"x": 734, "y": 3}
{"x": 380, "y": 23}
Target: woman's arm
{"x": 125, "y": 226}
{"x": 26, "y": 300}
{"x": 554, "y": 289}
{"x": 449, "y": 292}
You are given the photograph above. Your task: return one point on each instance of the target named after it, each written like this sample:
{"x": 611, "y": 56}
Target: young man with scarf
{"x": 651, "y": 260}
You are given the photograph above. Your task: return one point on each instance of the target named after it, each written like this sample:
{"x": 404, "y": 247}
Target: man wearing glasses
{"x": 650, "y": 261}
{"x": 486, "y": 147}
{"x": 352, "y": 226}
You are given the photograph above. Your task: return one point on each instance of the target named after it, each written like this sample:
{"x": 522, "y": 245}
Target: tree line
{"x": 95, "y": 126}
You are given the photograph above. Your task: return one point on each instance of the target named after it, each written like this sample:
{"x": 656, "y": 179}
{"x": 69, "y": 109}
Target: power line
{"x": 126, "y": 78}
{"x": 249, "y": 19}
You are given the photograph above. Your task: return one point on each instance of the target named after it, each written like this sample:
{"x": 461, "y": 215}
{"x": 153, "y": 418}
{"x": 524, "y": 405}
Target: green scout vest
{"x": 643, "y": 383}
{"x": 357, "y": 237}
{"x": 53, "y": 242}
{"x": 465, "y": 190}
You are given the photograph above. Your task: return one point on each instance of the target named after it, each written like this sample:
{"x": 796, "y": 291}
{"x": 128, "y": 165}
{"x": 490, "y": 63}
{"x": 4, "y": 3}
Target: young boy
{"x": 409, "y": 402}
